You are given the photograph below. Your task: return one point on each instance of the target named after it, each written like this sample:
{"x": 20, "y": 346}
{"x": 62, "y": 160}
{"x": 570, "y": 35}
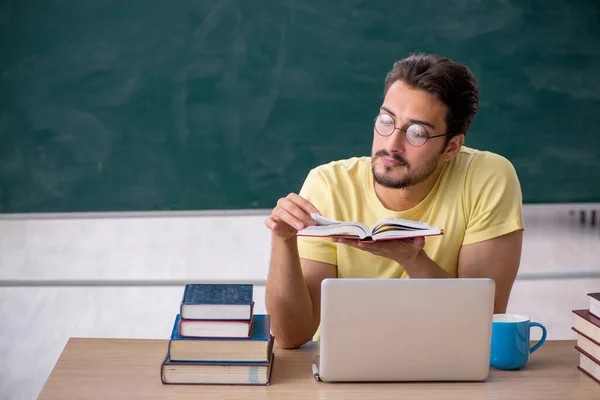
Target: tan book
{"x": 201, "y": 373}
{"x": 588, "y": 345}
{"x": 589, "y": 365}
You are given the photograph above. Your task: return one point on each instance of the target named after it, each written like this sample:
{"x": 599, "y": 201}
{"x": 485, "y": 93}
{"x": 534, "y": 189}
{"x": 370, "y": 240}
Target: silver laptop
{"x": 405, "y": 329}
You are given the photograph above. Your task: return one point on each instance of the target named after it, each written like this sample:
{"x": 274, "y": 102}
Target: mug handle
{"x": 542, "y": 340}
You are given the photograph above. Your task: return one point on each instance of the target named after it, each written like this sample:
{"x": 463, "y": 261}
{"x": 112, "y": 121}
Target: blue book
{"x": 217, "y": 302}
{"x": 256, "y": 348}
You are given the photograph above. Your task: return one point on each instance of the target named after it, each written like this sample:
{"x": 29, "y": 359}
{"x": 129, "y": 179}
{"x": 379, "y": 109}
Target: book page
{"x": 323, "y": 221}
{"x": 330, "y": 227}
{"x": 405, "y": 233}
{"x": 398, "y": 224}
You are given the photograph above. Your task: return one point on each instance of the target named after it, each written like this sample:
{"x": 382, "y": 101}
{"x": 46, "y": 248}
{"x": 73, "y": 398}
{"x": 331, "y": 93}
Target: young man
{"x": 420, "y": 170}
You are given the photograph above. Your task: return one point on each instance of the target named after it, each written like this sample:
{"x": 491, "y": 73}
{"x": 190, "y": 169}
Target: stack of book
{"x": 587, "y": 325}
{"x": 217, "y": 338}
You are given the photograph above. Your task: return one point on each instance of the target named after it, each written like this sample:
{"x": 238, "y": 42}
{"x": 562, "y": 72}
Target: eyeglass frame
{"x": 405, "y": 130}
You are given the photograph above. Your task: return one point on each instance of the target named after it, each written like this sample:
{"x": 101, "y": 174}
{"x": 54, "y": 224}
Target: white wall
{"x": 163, "y": 247}
{"x": 170, "y": 249}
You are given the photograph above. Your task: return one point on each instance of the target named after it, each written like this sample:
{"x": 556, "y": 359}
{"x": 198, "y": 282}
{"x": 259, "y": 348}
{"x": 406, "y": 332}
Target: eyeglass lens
{"x": 415, "y": 134}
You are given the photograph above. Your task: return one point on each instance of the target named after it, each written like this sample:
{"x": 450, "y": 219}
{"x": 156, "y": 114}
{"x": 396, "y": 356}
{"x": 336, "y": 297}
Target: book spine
{"x": 588, "y": 373}
{"x": 579, "y": 349}
{"x": 162, "y": 365}
{"x": 586, "y": 336}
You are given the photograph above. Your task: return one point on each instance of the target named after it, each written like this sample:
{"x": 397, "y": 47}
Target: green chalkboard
{"x": 112, "y": 105}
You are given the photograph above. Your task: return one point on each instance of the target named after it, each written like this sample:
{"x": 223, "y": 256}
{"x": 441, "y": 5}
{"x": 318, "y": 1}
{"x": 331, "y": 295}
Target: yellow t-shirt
{"x": 476, "y": 197}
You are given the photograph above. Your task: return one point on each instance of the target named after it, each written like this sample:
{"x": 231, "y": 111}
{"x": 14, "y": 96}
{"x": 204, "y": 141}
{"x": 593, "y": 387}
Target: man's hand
{"x": 408, "y": 253}
{"x": 403, "y": 251}
{"x": 291, "y": 214}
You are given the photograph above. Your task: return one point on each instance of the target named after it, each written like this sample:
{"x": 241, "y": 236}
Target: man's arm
{"x": 496, "y": 258}
{"x": 293, "y": 293}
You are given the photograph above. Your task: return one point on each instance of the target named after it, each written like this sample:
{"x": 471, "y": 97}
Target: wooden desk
{"x": 128, "y": 369}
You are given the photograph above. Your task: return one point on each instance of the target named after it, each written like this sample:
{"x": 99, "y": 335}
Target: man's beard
{"x": 410, "y": 178}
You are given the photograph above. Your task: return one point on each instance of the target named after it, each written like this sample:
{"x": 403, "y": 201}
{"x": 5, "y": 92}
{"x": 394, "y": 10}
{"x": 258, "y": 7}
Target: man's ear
{"x": 453, "y": 147}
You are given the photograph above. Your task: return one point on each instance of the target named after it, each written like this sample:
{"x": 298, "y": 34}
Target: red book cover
{"x": 585, "y": 314}
{"x": 595, "y": 295}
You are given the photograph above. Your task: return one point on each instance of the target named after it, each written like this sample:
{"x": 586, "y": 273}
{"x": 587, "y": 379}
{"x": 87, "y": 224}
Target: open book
{"x": 384, "y": 229}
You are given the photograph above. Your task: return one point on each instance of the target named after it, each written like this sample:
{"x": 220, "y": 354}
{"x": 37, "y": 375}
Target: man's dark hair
{"x": 452, "y": 83}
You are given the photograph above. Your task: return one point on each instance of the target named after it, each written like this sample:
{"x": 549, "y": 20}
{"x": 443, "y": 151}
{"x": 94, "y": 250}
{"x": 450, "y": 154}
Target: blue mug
{"x": 510, "y": 341}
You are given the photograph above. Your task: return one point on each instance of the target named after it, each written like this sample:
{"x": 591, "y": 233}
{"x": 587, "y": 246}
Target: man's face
{"x": 396, "y": 163}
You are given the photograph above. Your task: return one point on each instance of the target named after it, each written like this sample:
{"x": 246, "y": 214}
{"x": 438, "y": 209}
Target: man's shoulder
{"x": 473, "y": 161}
{"x": 482, "y": 173}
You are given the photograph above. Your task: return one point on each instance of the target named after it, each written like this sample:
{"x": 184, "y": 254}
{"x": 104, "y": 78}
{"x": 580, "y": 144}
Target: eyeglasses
{"x": 415, "y": 134}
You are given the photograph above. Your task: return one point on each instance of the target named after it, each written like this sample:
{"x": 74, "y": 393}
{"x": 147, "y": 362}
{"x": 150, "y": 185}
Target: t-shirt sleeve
{"x": 316, "y": 190}
{"x": 494, "y": 201}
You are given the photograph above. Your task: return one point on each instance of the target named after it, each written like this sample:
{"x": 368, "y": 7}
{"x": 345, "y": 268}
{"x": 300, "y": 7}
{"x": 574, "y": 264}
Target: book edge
{"x": 405, "y": 222}
{"x": 334, "y": 222}
{"x": 268, "y": 364}
{"x": 250, "y": 324}
{"x": 251, "y": 313}
{"x": 592, "y": 318}
{"x": 585, "y": 353}
{"x": 586, "y": 336}
{"x": 244, "y": 321}
{"x": 219, "y": 363}
{"x": 350, "y": 237}
{"x": 440, "y": 233}
{"x": 268, "y": 336}
{"x": 270, "y": 347}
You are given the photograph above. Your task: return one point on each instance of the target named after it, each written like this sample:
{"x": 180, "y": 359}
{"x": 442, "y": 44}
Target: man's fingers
{"x": 414, "y": 242}
{"x": 270, "y": 223}
{"x": 293, "y": 211}
{"x": 419, "y": 241}
{"x": 284, "y": 217}
{"x": 306, "y": 205}
{"x": 292, "y": 214}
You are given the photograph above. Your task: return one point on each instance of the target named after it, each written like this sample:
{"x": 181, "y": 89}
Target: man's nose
{"x": 396, "y": 142}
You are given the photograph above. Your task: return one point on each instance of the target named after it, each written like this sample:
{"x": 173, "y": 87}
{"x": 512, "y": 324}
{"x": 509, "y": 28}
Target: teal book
{"x": 217, "y": 302}
{"x": 255, "y": 349}
{"x": 194, "y": 373}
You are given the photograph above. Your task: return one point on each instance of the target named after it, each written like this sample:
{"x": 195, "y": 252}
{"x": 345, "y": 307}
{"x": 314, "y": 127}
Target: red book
{"x": 384, "y": 229}
{"x": 587, "y": 324}
{"x": 589, "y": 365}
{"x": 588, "y": 345}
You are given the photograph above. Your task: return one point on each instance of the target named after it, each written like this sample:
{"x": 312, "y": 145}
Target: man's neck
{"x": 406, "y": 198}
